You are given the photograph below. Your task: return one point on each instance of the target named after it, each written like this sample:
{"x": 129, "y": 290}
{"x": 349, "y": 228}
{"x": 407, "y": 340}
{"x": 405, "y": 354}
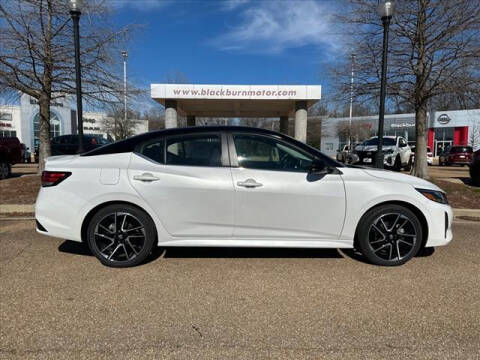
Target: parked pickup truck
{"x": 10, "y": 154}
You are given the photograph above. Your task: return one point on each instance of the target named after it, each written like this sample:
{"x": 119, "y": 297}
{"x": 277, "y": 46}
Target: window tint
{"x": 153, "y": 150}
{"x": 260, "y": 152}
{"x": 200, "y": 150}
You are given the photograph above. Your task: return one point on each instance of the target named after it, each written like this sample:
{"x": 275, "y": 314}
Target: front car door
{"x": 186, "y": 179}
{"x": 276, "y": 197}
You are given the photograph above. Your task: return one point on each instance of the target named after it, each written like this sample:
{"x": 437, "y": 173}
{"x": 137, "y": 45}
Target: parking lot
{"x": 57, "y": 301}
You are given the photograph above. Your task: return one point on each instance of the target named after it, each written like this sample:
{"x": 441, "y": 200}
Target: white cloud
{"x": 233, "y": 4}
{"x": 273, "y": 26}
{"x": 141, "y": 5}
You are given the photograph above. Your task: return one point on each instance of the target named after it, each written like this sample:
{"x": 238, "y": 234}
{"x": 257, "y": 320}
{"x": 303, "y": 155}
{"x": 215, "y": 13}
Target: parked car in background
{"x": 26, "y": 155}
{"x": 475, "y": 168}
{"x": 395, "y": 149}
{"x": 429, "y": 155}
{"x": 342, "y": 153}
{"x": 10, "y": 154}
{"x": 234, "y": 186}
{"x": 456, "y": 155}
{"x": 68, "y": 144}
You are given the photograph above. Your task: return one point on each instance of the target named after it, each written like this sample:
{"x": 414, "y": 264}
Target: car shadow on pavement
{"x": 74, "y": 248}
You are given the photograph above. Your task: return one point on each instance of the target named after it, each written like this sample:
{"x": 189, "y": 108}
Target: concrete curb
{"x": 30, "y": 209}
{"x": 17, "y": 208}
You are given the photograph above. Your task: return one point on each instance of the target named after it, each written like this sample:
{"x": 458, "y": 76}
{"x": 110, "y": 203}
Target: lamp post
{"x": 124, "y": 55}
{"x": 75, "y": 12}
{"x": 385, "y": 10}
{"x": 351, "y": 106}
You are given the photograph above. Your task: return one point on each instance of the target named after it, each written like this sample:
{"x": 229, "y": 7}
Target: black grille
{"x": 366, "y": 154}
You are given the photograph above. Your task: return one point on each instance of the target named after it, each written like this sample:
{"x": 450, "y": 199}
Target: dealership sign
{"x": 443, "y": 119}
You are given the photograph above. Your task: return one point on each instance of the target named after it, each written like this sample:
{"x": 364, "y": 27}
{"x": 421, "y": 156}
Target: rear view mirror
{"x": 318, "y": 167}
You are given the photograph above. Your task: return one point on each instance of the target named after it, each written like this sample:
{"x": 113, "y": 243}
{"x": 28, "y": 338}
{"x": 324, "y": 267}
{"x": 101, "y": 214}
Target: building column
{"x": 171, "y": 114}
{"x": 301, "y": 120}
{"x": 284, "y": 125}
{"x": 191, "y": 120}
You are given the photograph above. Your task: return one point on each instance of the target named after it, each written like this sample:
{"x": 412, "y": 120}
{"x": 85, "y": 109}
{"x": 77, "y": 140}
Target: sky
{"x": 230, "y": 42}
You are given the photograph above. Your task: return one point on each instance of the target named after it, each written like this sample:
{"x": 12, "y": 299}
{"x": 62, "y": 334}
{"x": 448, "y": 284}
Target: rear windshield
{"x": 461, "y": 149}
{"x": 386, "y": 142}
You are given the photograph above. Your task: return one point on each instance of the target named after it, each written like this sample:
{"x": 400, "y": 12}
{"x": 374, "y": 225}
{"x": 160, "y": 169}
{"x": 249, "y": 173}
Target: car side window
{"x": 153, "y": 150}
{"x": 266, "y": 153}
{"x": 195, "y": 150}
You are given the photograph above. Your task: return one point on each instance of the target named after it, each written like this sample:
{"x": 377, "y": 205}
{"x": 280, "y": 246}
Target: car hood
{"x": 372, "y": 147}
{"x": 403, "y": 178}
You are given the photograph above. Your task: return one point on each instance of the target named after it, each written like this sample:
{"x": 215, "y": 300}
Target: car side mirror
{"x": 318, "y": 167}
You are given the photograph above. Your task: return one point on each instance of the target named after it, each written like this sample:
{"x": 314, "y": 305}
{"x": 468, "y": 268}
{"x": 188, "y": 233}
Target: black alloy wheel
{"x": 389, "y": 235}
{"x": 121, "y": 235}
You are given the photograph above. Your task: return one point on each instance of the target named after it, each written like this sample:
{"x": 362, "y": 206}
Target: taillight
{"x": 52, "y": 178}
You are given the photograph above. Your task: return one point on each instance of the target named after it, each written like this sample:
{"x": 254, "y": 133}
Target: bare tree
{"x": 37, "y": 55}
{"x": 434, "y": 51}
{"x": 358, "y": 131}
{"x": 119, "y": 127}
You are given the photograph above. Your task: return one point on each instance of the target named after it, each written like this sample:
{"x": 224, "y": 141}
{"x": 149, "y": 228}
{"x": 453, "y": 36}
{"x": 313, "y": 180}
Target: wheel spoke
{"x": 406, "y": 242}
{"x": 398, "y": 251}
{"x": 381, "y": 247}
{"x": 114, "y": 251}
{"x": 104, "y": 236}
{"x": 122, "y": 228}
{"x": 116, "y": 228}
{"x": 381, "y": 232}
{"x": 137, "y": 228}
{"x": 131, "y": 246}
{"x": 126, "y": 253}
{"x": 106, "y": 229}
{"x": 409, "y": 235}
{"x": 394, "y": 223}
{"x": 106, "y": 247}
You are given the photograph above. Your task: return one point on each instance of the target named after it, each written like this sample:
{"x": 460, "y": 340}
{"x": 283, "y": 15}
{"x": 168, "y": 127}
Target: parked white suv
{"x": 395, "y": 148}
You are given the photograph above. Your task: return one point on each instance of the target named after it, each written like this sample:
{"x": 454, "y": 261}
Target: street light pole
{"x": 351, "y": 106}
{"x": 385, "y": 10}
{"x": 124, "y": 54}
{"x": 75, "y": 12}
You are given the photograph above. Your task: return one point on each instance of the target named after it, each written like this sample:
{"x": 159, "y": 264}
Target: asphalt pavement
{"x": 57, "y": 301}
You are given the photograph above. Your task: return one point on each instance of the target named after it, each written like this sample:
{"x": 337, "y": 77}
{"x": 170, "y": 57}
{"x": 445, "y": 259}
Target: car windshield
{"x": 461, "y": 149}
{"x": 374, "y": 141}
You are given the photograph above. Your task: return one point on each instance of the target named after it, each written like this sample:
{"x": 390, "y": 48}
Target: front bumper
{"x": 439, "y": 219}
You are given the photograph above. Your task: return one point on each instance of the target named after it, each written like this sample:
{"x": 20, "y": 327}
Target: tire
{"x": 408, "y": 167}
{"x": 121, "y": 235}
{"x": 5, "y": 170}
{"x": 398, "y": 164}
{"x": 393, "y": 242}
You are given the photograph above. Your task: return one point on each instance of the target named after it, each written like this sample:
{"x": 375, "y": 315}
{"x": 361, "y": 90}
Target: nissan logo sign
{"x": 443, "y": 119}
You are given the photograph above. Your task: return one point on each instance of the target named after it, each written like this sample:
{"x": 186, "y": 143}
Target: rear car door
{"x": 186, "y": 179}
{"x": 276, "y": 197}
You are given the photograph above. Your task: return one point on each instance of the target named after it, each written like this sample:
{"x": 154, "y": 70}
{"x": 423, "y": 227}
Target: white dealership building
{"x": 23, "y": 120}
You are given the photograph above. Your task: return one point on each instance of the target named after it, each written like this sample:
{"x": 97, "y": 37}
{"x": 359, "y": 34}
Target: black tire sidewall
{"x": 364, "y": 227}
{"x": 142, "y": 216}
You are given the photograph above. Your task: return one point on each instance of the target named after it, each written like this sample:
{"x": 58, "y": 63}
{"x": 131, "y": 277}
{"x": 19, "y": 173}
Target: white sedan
{"x": 232, "y": 187}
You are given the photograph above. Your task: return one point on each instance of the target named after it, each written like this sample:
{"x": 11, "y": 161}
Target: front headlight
{"x": 434, "y": 195}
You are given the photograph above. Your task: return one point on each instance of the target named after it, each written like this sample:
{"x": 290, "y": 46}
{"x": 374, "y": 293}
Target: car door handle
{"x": 249, "y": 183}
{"x": 146, "y": 177}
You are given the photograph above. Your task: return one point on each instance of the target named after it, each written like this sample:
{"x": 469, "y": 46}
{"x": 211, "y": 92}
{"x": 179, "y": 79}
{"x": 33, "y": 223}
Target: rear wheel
{"x": 389, "y": 235}
{"x": 121, "y": 235}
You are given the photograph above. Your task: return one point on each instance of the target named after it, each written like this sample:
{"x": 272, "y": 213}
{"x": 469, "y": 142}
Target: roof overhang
{"x": 236, "y": 100}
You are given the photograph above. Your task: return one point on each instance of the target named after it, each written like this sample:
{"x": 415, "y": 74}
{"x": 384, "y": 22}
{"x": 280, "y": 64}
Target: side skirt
{"x": 343, "y": 244}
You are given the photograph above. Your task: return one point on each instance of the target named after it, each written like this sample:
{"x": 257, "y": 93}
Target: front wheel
{"x": 389, "y": 235}
{"x": 121, "y": 235}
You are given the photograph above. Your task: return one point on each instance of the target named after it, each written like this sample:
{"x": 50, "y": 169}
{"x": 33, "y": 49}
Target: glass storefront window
{"x": 54, "y": 127}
